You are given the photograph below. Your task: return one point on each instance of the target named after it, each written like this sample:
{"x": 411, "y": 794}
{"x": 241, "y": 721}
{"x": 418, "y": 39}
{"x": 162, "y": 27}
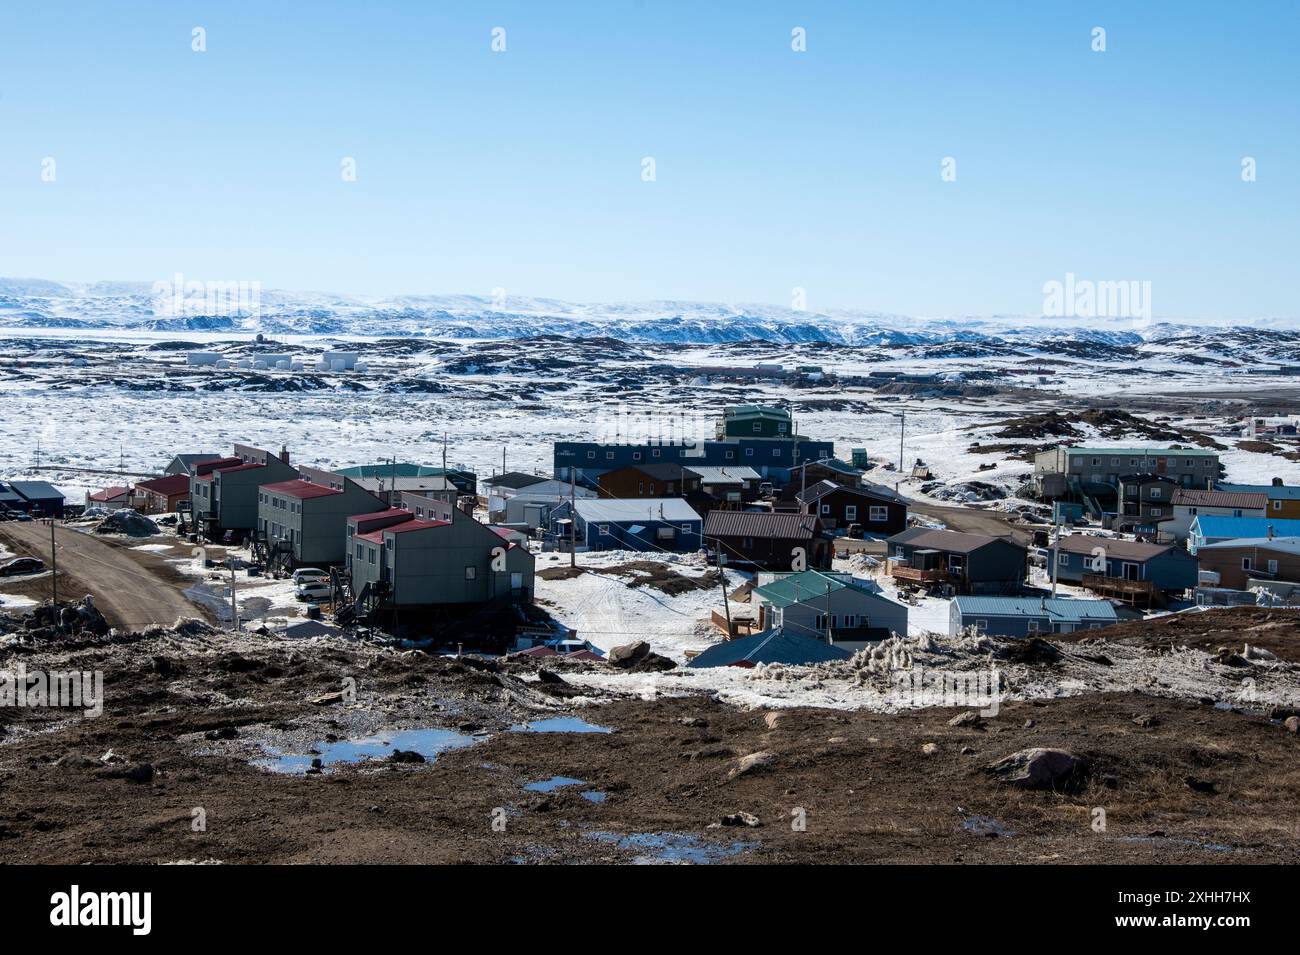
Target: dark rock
{"x": 1040, "y": 768}
{"x": 550, "y": 676}
{"x": 628, "y": 654}
{"x": 742, "y": 819}
{"x": 1200, "y": 785}
{"x": 970, "y": 719}
{"x": 406, "y": 756}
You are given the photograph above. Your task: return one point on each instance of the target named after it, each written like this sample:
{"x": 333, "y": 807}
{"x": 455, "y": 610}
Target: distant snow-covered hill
{"x": 38, "y": 303}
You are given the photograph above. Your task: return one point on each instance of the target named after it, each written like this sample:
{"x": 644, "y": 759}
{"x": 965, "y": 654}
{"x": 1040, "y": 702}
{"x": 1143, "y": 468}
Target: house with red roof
{"x": 445, "y": 558}
{"x": 162, "y": 495}
{"x": 110, "y": 498}
{"x": 224, "y": 492}
{"x": 305, "y": 520}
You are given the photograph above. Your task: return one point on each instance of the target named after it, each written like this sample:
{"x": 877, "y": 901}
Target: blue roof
{"x": 770, "y": 646}
{"x": 36, "y": 490}
{"x": 1275, "y": 492}
{"x": 1216, "y": 526}
{"x": 1062, "y": 609}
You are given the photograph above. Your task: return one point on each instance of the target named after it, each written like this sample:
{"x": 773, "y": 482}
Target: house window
{"x": 471, "y": 573}
{"x": 826, "y": 508}
{"x": 1096, "y": 462}
{"x": 1272, "y": 567}
{"x": 749, "y": 452}
{"x": 640, "y": 487}
{"x": 850, "y": 512}
{"x": 654, "y": 453}
{"x": 1033, "y": 626}
{"x": 652, "y": 488}
{"x": 747, "y": 543}
{"x": 1078, "y": 462}
{"x": 1114, "y": 462}
{"x": 1236, "y": 512}
{"x": 1208, "y": 462}
{"x": 360, "y": 553}
{"x": 591, "y": 454}
{"x": 636, "y": 455}
{"x": 1277, "y": 505}
{"x": 1062, "y": 559}
{"x": 981, "y": 625}
{"x": 609, "y": 455}
{"x": 780, "y": 428}
{"x": 370, "y": 555}
{"x": 878, "y": 514}
{"x": 1156, "y": 492}
{"x": 776, "y": 452}
{"x": 731, "y": 455}
{"x": 603, "y": 530}
{"x": 758, "y": 427}
{"x": 686, "y": 528}
{"x": 1157, "y": 512}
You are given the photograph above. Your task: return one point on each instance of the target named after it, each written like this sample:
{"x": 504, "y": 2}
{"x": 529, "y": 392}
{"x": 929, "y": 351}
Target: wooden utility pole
{"x": 234, "y": 608}
{"x": 829, "y": 637}
{"x": 722, "y": 578}
{"x": 573, "y": 514}
{"x": 54, "y": 570}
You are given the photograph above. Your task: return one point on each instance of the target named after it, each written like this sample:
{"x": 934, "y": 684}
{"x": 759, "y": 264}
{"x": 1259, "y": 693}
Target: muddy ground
{"x": 187, "y": 718}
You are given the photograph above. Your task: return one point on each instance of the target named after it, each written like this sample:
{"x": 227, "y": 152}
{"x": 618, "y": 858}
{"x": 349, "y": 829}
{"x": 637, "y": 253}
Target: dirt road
{"x": 972, "y": 521}
{"x": 131, "y": 589}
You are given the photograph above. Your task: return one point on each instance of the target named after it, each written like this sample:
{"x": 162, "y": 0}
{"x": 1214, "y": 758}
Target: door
{"x": 516, "y": 581}
{"x": 1131, "y": 572}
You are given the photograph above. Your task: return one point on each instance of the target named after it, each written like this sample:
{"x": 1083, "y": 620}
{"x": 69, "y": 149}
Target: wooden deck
{"x": 903, "y": 572}
{"x": 1135, "y": 592}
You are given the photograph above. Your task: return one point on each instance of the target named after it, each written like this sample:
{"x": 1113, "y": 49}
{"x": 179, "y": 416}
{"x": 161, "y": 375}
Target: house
{"x": 1123, "y": 568}
{"x": 1063, "y": 470}
{"x": 754, "y": 421}
{"x": 184, "y": 463}
{"x": 1241, "y": 561}
{"x": 770, "y": 646}
{"x": 530, "y": 504}
{"x": 730, "y": 486}
{"x": 803, "y": 476}
{"x": 1211, "y": 529}
{"x": 1189, "y": 504}
{"x": 39, "y": 498}
{"x": 1027, "y": 616}
{"x": 771, "y": 541}
{"x": 1283, "y": 499}
{"x": 390, "y": 489}
{"x": 416, "y": 562}
{"x": 968, "y": 563}
{"x": 1143, "y": 502}
{"x": 110, "y": 498}
{"x": 162, "y": 495}
{"x": 465, "y": 481}
{"x": 876, "y": 509}
{"x": 648, "y": 480}
{"x": 224, "y": 493}
{"x": 305, "y": 521}
{"x": 11, "y": 500}
{"x": 813, "y": 603}
{"x": 643, "y": 524}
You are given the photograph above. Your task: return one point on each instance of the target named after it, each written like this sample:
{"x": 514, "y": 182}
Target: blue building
{"x": 1028, "y": 616}
{"x": 770, "y": 457}
{"x": 37, "y": 498}
{"x": 1214, "y": 529}
{"x": 641, "y": 524}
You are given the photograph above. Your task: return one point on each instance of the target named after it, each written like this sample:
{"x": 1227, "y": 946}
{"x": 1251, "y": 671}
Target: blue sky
{"x": 775, "y": 169}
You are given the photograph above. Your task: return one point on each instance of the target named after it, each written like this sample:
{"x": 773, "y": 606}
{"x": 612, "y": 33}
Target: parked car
{"x": 304, "y": 574}
{"x": 312, "y": 590}
{"x": 21, "y": 565}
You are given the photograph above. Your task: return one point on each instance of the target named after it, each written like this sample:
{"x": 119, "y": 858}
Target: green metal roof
{"x": 1144, "y": 452}
{"x": 1057, "y": 608}
{"x": 400, "y": 469}
{"x": 808, "y": 585}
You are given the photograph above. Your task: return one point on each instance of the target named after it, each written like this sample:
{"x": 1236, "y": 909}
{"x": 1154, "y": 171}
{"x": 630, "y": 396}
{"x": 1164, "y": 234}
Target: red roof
{"x": 303, "y": 490}
{"x": 109, "y": 493}
{"x": 374, "y": 537}
{"x": 415, "y": 525}
{"x": 391, "y": 512}
{"x": 242, "y": 467}
{"x": 167, "y": 486}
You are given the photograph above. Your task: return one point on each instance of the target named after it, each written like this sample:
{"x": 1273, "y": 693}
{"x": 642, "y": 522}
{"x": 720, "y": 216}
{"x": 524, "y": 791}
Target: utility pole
{"x": 573, "y": 514}
{"x": 1056, "y": 546}
{"x": 722, "y": 578}
{"x": 234, "y": 609}
{"x": 444, "y": 455}
{"x": 829, "y": 637}
{"x": 54, "y": 570}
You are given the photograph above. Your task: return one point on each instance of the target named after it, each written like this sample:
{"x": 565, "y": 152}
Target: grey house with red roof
{"x": 306, "y": 520}
{"x": 403, "y": 561}
{"x": 223, "y": 493}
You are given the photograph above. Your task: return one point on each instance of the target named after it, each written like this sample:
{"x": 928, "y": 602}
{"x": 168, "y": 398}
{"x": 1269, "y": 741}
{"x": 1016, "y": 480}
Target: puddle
{"x": 986, "y": 826}
{"x": 592, "y": 795}
{"x": 427, "y": 742}
{"x": 1169, "y": 841}
{"x": 653, "y": 848}
{"x": 552, "y": 784}
{"x": 559, "y": 724}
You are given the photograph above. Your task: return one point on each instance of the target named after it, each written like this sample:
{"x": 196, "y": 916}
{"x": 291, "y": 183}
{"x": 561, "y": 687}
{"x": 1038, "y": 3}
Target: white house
{"x": 1190, "y": 503}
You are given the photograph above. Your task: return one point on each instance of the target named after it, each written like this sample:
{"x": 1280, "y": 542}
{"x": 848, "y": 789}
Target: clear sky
{"x": 775, "y": 169}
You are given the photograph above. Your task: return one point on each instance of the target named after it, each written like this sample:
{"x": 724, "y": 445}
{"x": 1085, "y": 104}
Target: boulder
{"x": 742, "y": 819}
{"x": 970, "y": 718}
{"x": 1292, "y": 724}
{"x": 628, "y": 654}
{"x": 930, "y": 749}
{"x": 406, "y": 756}
{"x": 752, "y": 762}
{"x": 1040, "y": 768}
